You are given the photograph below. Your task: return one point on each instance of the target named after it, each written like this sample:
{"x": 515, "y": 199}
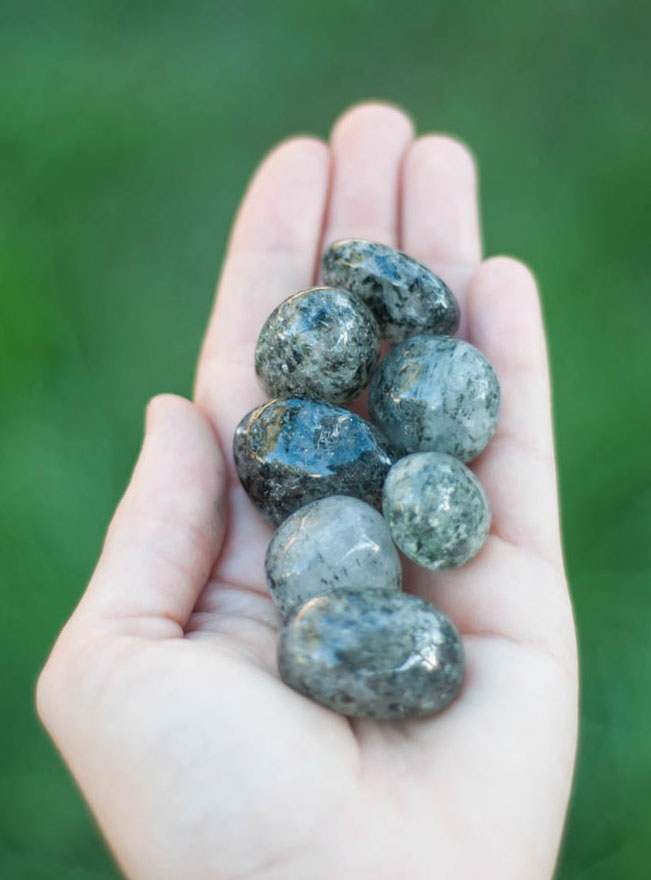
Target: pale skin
{"x": 162, "y": 692}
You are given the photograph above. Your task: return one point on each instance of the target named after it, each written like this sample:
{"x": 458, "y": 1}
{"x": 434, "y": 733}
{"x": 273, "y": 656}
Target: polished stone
{"x": 405, "y": 296}
{"x": 290, "y": 452}
{"x": 374, "y": 654}
{"x": 321, "y": 343}
{"x": 435, "y": 393}
{"x": 437, "y": 510}
{"x": 336, "y": 542}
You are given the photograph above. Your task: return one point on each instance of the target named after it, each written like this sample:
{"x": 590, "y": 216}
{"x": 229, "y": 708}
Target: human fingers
{"x": 440, "y": 211}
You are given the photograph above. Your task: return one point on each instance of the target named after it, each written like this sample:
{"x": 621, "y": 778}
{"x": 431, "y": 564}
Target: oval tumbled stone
{"x": 336, "y": 542}
{"x": 290, "y": 452}
{"x": 372, "y": 654}
{"x": 435, "y": 393}
{"x": 321, "y": 343}
{"x": 405, "y": 296}
{"x": 437, "y": 510}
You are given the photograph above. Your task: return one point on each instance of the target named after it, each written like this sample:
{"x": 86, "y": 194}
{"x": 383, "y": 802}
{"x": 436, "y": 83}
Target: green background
{"x": 128, "y": 131}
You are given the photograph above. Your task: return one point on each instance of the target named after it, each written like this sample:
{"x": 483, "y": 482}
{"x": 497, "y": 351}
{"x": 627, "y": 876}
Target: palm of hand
{"x": 162, "y": 691}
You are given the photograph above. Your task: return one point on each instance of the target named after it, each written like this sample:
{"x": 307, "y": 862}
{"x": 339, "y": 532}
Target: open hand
{"x": 162, "y": 691}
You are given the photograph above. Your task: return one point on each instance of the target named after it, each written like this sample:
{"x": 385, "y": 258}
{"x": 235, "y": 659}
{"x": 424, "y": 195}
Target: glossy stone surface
{"x": 405, "y": 296}
{"x": 290, "y": 452}
{"x": 336, "y": 542}
{"x": 435, "y": 393}
{"x": 437, "y": 510}
{"x": 374, "y": 654}
{"x": 321, "y": 343}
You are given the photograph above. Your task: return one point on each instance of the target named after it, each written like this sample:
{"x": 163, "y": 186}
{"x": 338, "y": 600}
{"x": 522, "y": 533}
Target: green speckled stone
{"x": 405, "y": 296}
{"x": 290, "y": 452}
{"x": 435, "y": 393}
{"x": 372, "y": 654}
{"x": 437, "y": 510}
{"x": 321, "y": 344}
{"x": 333, "y": 543}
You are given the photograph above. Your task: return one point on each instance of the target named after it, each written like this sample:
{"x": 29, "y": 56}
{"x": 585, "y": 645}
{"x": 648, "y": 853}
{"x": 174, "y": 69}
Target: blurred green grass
{"x": 127, "y": 132}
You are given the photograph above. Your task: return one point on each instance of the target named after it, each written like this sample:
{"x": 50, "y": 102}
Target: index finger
{"x": 272, "y": 253}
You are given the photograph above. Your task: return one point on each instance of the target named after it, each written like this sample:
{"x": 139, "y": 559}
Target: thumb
{"x": 167, "y": 531}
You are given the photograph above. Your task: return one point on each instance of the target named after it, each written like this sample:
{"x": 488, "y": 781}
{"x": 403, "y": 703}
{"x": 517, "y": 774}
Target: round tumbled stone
{"x": 437, "y": 510}
{"x": 290, "y": 452}
{"x": 332, "y": 543}
{"x": 321, "y": 343}
{"x": 405, "y": 296}
{"x": 372, "y": 654}
{"x": 435, "y": 393}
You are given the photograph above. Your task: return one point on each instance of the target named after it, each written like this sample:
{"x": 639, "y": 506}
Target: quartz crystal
{"x": 290, "y": 452}
{"x": 435, "y": 393}
{"x": 336, "y": 542}
{"x": 437, "y": 510}
{"x": 405, "y": 296}
{"x": 373, "y": 654}
{"x": 322, "y": 344}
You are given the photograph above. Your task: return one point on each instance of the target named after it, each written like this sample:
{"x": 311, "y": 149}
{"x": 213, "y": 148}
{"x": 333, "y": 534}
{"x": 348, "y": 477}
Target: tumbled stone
{"x": 372, "y": 654}
{"x": 321, "y": 344}
{"x": 437, "y": 510}
{"x": 435, "y": 393}
{"x": 405, "y": 296}
{"x": 290, "y": 452}
{"x": 336, "y": 542}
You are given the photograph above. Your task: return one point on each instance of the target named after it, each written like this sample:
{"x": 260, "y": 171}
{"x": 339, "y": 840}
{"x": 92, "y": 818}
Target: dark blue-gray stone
{"x": 337, "y": 542}
{"x": 437, "y": 510}
{"x": 290, "y": 452}
{"x": 405, "y": 296}
{"x": 372, "y": 654}
{"x": 321, "y": 343}
{"x": 435, "y": 393}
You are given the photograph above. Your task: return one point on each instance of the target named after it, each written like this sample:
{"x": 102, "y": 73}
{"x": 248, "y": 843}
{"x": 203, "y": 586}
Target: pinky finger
{"x": 518, "y": 466}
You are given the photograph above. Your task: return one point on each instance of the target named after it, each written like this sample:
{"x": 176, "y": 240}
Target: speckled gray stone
{"x": 336, "y": 542}
{"x": 437, "y": 510}
{"x": 290, "y": 452}
{"x": 405, "y": 296}
{"x": 374, "y": 654}
{"x": 321, "y": 343}
{"x": 435, "y": 393}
